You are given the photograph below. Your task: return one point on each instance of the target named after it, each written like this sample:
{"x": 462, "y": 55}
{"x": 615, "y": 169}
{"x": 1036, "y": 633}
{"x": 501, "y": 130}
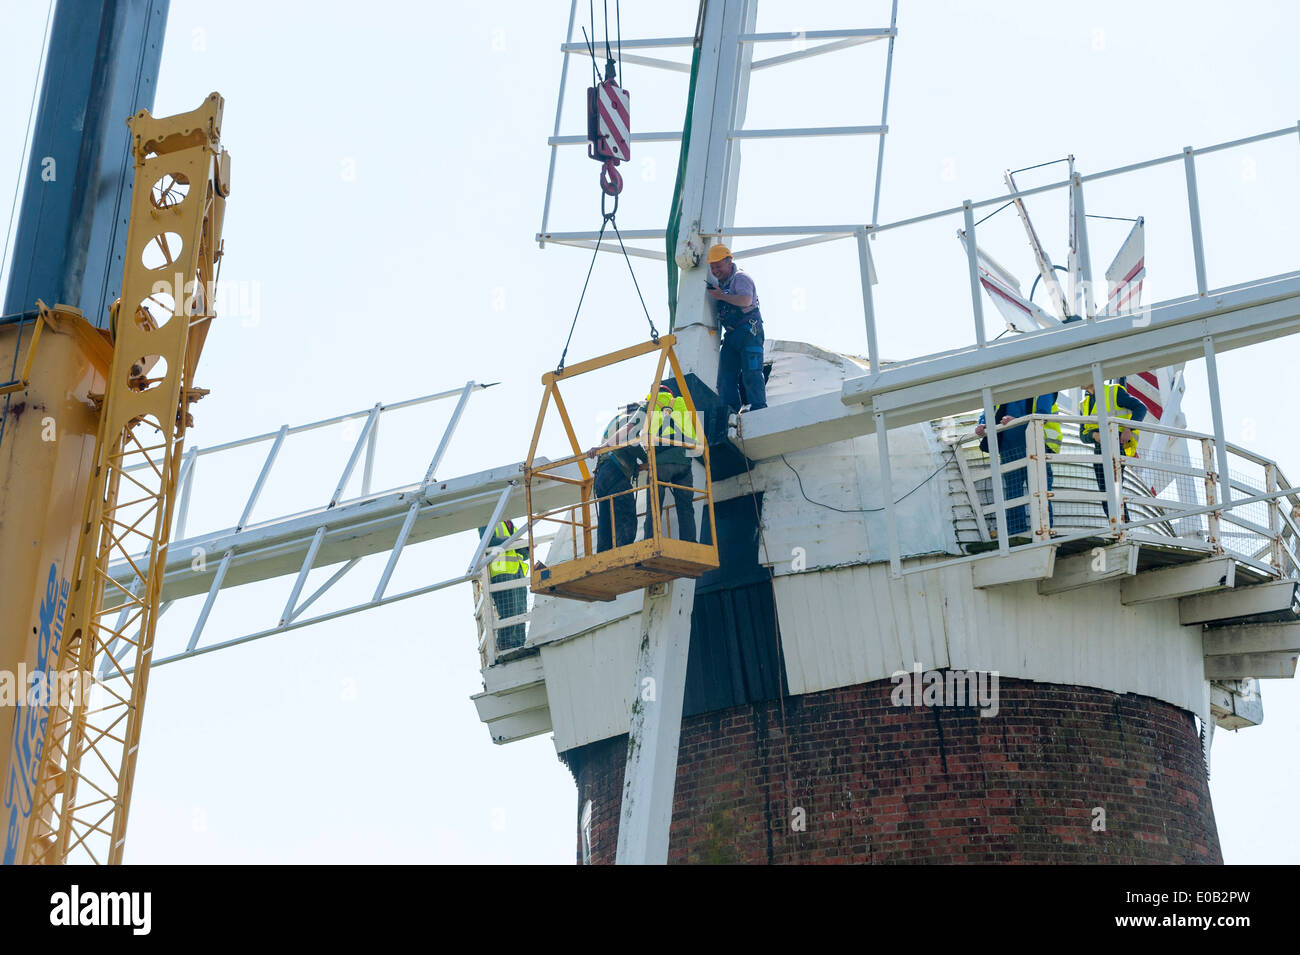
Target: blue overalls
{"x": 740, "y": 361}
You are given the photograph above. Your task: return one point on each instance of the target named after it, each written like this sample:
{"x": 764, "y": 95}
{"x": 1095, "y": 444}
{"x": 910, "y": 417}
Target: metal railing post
{"x": 1274, "y": 517}
{"x": 973, "y": 262}
{"x": 356, "y": 453}
{"x": 995, "y": 464}
{"x": 187, "y": 483}
{"x": 1085, "y": 257}
{"x": 261, "y": 478}
{"x": 559, "y": 113}
{"x": 1211, "y": 499}
{"x": 1108, "y": 448}
{"x": 1216, "y": 413}
{"x": 1036, "y": 468}
{"x": 868, "y": 301}
{"x": 887, "y": 487}
{"x": 1194, "y": 212}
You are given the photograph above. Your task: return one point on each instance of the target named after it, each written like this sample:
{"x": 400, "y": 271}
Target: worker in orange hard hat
{"x": 740, "y": 362}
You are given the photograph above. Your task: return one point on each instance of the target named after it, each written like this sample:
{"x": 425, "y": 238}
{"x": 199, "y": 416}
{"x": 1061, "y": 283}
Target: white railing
{"x": 486, "y": 615}
{"x": 1168, "y": 498}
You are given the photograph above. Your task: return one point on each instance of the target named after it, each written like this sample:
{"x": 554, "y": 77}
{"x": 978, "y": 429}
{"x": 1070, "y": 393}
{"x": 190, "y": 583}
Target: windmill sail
{"x": 1160, "y": 389}
{"x": 1125, "y": 276}
{"x": 1003, "y": 289}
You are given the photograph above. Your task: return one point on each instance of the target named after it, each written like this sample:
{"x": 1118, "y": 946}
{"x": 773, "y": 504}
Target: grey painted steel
{"x": 1194, "y": 214}
{"x": 307, "y": 562}
{"x": 868, "y": 301}
{"x": 559, "y": 113}
{"x": 449, "y": 431}
{"x": 369, "y": 470}
{"x": 297, "y": 624}
{"x": 1108, "y": 450}
{"x": 322, "y": 423}
{"x": 261, "y": 478}
{"x": 275, "y": 549}
{"x": 362, "y": 439}
{"x": 831, "y": 47}
{"x": 487, "y": 532}
{"x": 884, "y": 112}
{"x": 217, "y": 581}
{"x": 887, "y": 487}
{"x": 1085, "y": 257}
{"x": 102, "y": 66}
{"x": 1216, "y": 415}
{"x": 334, "y": 578}
{"x": 801, "y": 132}
{"x": 662, "y": 136}
{"x": 396, "y": 552}
{"x": 186, "y": 480}
{"x": 991, "y": 427}
{"x": 972, "y": 265}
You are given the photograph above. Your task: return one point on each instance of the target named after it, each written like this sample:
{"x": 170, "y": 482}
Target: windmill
{"x": 875, "y": 407}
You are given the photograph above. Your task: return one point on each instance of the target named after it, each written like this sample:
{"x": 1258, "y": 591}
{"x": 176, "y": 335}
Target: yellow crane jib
{"x": 81, "y": 790}
{"x": 578, "y": 566}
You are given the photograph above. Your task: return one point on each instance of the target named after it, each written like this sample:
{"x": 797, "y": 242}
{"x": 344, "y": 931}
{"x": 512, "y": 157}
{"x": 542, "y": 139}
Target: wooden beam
{"x": 1252, "y": 638}
{"x": 1261, "y": 666}
{"x": 1032, "y": 563}
{"x": 1091, "y": 567}
{"x": 1182, "y": 580}
{"x": 1233, "y": 709}
{"x": 1241, "y": 602}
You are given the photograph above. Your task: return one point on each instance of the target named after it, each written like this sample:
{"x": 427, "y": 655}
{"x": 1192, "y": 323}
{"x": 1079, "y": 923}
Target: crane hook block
{"x": 608, "y": 125}
{"x": 611, "y": 180}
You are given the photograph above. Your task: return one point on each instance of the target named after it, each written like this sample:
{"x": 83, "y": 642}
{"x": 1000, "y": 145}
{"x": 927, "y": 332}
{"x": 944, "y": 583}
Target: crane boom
{"x": 81, "y": 793}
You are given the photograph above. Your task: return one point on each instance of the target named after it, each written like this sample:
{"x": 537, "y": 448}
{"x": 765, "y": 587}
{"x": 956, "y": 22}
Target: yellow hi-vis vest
{"x": 1052, "y": 432}
{"x": 1114, "y": 410}
{"x": 677, "y": 427}
{"x": 510, "y": 562}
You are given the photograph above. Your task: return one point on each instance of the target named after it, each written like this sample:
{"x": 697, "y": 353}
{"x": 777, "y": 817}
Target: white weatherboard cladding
{"x": 846, "y": 475}
{"x": 590, "y": 682}
{"x": 843, "y": 620}
{"x": 854, "y": 624}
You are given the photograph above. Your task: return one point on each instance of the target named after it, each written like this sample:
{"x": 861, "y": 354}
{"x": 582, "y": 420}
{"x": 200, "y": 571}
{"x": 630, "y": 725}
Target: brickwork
{"x": 887, "y": 784}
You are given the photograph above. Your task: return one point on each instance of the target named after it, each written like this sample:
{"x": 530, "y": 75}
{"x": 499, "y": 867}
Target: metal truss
{"x": 82, "y": 791}
{"x": 340, "y": 532}
{"x": 928, "y": 387}
{"x": 812, "y": 42}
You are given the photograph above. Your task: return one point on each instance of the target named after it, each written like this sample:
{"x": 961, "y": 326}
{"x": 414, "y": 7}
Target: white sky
{"x": 389, "y": 168}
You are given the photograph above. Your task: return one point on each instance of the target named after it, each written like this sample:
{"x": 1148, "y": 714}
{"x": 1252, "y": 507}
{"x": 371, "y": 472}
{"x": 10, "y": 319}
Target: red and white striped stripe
{"x": 612, "y": 120}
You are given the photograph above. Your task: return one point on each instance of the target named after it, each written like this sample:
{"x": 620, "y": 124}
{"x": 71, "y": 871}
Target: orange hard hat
{"x": 718, "y": 252}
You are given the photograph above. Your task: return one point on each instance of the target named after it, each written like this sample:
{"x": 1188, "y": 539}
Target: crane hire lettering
{"x": 29, "y": 722}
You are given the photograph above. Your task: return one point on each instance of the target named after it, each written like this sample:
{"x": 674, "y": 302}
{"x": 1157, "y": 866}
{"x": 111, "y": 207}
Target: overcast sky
{"x": 389, "y": 167}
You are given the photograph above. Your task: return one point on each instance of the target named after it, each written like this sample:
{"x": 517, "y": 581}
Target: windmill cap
{"x": 718, "y": 252}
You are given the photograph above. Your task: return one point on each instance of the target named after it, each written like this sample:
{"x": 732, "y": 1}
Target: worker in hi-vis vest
{"x": 510, "y": 563}
{"x": 616, "y": 471}
{"x": 672, "y": 429}
{"x": 1012, "y": 448}
{"x": 740, "y": 360}
{"x": 1118, "y": 404}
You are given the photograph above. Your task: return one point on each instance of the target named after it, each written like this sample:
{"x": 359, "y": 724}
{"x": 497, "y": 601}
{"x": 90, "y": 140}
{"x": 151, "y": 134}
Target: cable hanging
{"x": 609, "y": 143}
